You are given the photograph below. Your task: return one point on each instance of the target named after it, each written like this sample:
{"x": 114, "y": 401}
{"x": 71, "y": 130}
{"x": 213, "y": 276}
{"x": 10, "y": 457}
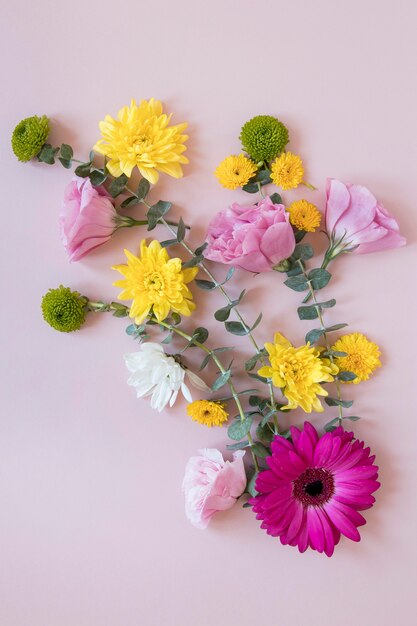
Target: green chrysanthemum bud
{"x": 29, "y": 136}
{"x": 264, "y": 137}
{"x": 64, "y": 309}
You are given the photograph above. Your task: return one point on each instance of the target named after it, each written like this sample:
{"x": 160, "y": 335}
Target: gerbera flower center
{"x": 314, "y": 487}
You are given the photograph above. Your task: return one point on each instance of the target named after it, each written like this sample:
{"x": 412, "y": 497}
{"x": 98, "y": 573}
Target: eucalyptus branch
{"x": 324, "y": 331}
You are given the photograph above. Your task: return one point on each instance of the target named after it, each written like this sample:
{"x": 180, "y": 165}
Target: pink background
{"x": 92, "y": 527}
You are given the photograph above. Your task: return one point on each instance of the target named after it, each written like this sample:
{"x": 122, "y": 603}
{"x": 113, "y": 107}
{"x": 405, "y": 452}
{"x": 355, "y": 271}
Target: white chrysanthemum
{"x": 154, "y": 373}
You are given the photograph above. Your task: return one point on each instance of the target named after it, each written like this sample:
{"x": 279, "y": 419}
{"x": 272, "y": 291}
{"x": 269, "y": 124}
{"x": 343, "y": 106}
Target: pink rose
{"x": 87, "y": 219}
{"x": 355, "y": 218}
{"x": 212, "y": 484}
{"x": 254, "y": 238}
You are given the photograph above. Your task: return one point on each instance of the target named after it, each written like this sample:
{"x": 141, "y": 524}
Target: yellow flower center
{"x": 154, "y": 281}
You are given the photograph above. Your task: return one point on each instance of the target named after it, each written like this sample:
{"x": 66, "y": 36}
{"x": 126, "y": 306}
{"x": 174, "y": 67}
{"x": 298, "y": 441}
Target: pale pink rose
{"x": 254, "y": 238}
{"x": 212, "y": 484}
{"x": 87, "y": 218}
{"x": 355, "y": 217}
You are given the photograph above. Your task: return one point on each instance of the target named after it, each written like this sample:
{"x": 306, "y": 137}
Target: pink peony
{"x": 254, "y": 238}
{"x": 355, "y": 218}
{"x": 314, "y": 488}
{"x": 87, "y": 219}
{"x": 212, "y": 484}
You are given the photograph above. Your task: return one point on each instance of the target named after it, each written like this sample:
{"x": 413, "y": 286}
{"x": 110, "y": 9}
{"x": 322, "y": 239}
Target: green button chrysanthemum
{"x": 264, "y": 137}
{"x": 64, "y": 309}
{"x": 29, "y": 136}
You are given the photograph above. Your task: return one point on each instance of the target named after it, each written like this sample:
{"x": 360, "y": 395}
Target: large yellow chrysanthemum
{"x": 141, "y": 136}
{"x": 299, "y": 372}
{"x": 156, "y": 283}
{"x": 362, "y": 356}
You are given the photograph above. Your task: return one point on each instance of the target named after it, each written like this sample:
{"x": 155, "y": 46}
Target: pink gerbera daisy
{"x": 314, "y": 488}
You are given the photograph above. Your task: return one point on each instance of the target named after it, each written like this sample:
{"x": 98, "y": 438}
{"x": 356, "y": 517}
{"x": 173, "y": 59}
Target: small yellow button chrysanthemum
{"x": 287, "y": 171}
{"x": 299, "y": 372}
{"x": 362, "y": 356}
{"x": 141, "y": 136}
{"x": 155, "y": 283}
{"x": 207, "y": 412}
{"x": 304, "y": 215}
{"x": 235, "y": 171}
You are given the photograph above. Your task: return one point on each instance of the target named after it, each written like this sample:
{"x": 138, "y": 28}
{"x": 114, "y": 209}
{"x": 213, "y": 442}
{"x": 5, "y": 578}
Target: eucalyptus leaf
{"x": 157, "y": 211}
{"x": 67, "y": 163}
{"x": 221, "y": 381}
{"x": 297, "y": 283}
{"x": 83, "y": 170}
{"x": 257, "y": 321}
{"x": 352, "y": 418}
{"x": 250, "y": 487}
{"x": 319, "y": 278}
{"x": 336, "y": 402}
{"x": 346, "y": 376}
{"x": 303, "y": 251}
{"x": 143, "y": 189}
{"x": 97, "y": 177}
{"x": 222, "y": 315}
{"x": 168, "y": 242}
{"x": 276, "y": 198}
{"x": 240, "y": 428}
{"x": 117, "y": 185}
{"x": 130, "y": 201}
{"x": 198, "y": 251}
{"x": 308, "y": 312}
{"x": 236, "y": 328}
{"x": 205, "y": 284}
{"x": 238, "y": 446}
{"x": 313, "y": 335}
{"x": 180, "y": 230}
{"x": 336, "y": 327}
{"x": 332, "y": 425}
{"x": 66, "y": 152}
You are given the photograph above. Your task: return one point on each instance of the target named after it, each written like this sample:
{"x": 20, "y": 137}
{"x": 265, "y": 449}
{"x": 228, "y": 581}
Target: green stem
{"x": 324, "y": 333}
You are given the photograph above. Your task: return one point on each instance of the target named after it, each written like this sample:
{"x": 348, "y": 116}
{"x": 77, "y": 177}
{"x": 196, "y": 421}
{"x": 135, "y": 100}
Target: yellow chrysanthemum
{"x": 299, "y": 372}
{"x": 304, "y": 215}
{"x": 235, "y": 171}
{"x": 287, "y": 171}
{"x": 141, "y": 136}
{"x": 362, "y": 356}
{"x": 156, "y": 283}
{"x": 207, "y": 412}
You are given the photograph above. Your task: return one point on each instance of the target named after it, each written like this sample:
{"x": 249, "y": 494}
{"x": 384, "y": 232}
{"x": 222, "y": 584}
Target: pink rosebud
{"x": 212, "y": 484}
{"x": 254, "y": 238}
{"x": 355, "y": 219}
{"x": 87, "y": 218}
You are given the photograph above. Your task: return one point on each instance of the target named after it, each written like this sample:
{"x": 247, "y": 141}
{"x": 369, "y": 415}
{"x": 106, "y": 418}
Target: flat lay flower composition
{"x": 305, "y": 485}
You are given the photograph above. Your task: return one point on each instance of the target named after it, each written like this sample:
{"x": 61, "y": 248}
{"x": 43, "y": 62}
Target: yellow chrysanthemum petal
{"x": 304, "y": 215}
{"x": 154, "y": 282}
{"x": 235, "y": 171}
{"x": 142, "y": 137}
{"x": 299, "y": 372}
{"x": 287, "y": 171}
{"x": 362, "y": 356}
{"x": 207, "y": 412}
